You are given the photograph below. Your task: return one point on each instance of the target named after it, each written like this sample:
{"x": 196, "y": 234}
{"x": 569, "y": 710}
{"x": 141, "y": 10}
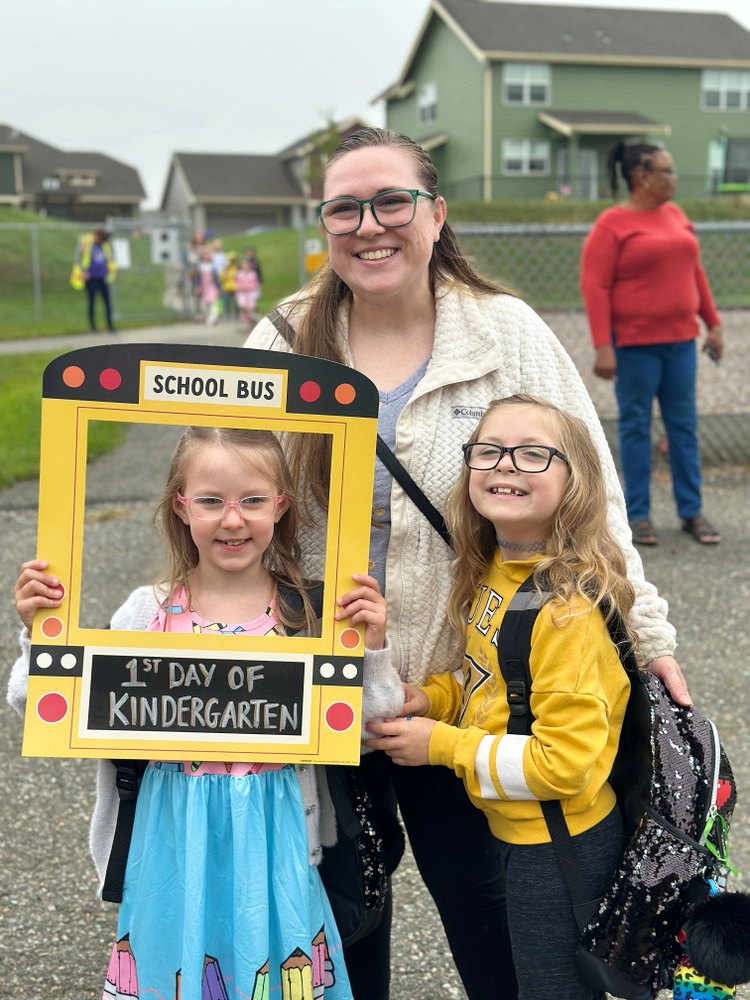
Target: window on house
{"x": 526, "y": 83}
{"x": 525, "y": 158}
{"x": 737, "y": 166}
{"x": 725, "y": 90}
{"x": 427, "y": 103}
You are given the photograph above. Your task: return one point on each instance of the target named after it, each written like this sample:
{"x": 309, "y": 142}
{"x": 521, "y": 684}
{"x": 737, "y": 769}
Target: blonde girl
{"x": 531, "y": 500}
{"x": 222, "y": 895}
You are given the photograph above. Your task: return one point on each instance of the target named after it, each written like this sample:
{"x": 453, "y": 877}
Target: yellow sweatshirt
{"x": 579, "y": 692}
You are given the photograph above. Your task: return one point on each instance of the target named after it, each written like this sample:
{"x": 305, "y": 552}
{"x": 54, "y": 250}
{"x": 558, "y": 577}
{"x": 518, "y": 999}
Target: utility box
{"x": 165, "y": 246}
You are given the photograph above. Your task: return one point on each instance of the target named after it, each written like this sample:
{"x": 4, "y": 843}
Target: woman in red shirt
{"x": 644, "y": 289}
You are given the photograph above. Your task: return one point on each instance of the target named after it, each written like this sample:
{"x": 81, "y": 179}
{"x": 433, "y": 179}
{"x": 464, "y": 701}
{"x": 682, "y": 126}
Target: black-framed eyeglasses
{"x": 525, "y": 457}
{"x": 214, "y": 508}
{"x": 390, "y": 209}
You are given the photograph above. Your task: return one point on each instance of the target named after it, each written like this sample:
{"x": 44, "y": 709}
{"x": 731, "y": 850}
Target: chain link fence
{"x": 35, "y": 268}
{"x": 541, "y": 263}
{"x": 538, "y": 262}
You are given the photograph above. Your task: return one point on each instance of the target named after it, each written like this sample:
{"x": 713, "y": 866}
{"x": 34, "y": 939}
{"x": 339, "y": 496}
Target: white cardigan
{"x": 486, "y": 347}
{"x": 382, "y": 696}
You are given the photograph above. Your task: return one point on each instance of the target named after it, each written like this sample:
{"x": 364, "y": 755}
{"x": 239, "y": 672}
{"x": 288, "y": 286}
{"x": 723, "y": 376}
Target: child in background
{"x": 228, "y": 288}
{"x": 208, "y": 278}
{"x": 221, "y": 885}
{"x": 247, "y": 290}
{"x": 531, "y": 499}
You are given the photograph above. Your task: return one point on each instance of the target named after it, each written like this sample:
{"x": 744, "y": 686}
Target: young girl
{"x": 531, "y": 499}
{"x": 247, "y": 290}
{"x": 210, "y": 286}
{"x": 221, "y": 895}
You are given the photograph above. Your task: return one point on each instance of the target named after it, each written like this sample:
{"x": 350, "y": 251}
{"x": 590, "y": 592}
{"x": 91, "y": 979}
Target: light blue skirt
{"x": 219, "y": 900}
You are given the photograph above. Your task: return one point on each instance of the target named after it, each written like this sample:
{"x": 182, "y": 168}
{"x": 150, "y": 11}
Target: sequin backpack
{"x": 675, "y": 788}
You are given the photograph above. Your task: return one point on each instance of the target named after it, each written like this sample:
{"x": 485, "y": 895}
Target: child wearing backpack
{"x": 531, "y": 500}
{"x": 222, "y": 894}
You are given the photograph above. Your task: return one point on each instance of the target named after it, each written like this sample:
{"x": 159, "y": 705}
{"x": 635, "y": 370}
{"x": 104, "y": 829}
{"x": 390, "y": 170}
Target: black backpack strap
{"x": 514, "y": 652}
{"x": 127, "y": 780}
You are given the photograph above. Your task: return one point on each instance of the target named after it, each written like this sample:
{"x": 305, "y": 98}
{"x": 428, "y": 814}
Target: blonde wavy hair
{"x": 582, "y": 557}
{"x": 260, "y": 452}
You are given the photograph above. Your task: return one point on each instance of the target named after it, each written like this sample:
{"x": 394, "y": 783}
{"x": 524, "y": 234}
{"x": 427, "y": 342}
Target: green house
{"x": 515, "y": 100}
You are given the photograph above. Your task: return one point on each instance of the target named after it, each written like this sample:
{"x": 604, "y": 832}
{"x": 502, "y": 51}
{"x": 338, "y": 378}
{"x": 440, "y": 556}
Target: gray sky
{"x": 140, "y": 79}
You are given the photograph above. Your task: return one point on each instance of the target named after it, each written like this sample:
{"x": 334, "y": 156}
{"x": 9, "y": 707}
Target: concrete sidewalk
{"x": 57, "y": 936}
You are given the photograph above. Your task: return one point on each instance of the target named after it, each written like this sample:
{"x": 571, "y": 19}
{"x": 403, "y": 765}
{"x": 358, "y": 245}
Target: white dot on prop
{"x": 69, "y": 660}
{"x": 43, "y": 661}
{"x": 327, "y": 670}
{"x": 350, "y": 671}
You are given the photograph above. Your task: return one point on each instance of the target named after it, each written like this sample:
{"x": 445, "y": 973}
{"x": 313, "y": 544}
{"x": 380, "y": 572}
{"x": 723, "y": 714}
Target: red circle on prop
{"x": 350, "y": 638}
{"x": 345, "y": 393}
{"x": 73, "y": 376}
{"x": 52, "y": 707}
{"x": 339, "y": 716}
{"x": 52, "y": 627}
{"x": 309, "y": 392}
{"x": 110, "y": 378}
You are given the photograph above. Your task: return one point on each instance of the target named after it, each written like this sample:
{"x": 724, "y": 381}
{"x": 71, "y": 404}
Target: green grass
{"x": 138, "y": 291}
{"x": 20, "y": 419}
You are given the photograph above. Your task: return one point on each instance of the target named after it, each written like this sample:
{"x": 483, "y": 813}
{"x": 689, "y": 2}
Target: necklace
{"x": 522, "y": 546}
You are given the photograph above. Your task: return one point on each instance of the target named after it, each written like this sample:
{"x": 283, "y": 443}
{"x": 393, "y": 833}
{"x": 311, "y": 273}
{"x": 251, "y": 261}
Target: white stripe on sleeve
{"x": 509, "y": 766}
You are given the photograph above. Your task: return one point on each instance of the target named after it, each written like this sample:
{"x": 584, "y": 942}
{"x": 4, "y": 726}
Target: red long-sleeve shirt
{"x": 641, "y": 278}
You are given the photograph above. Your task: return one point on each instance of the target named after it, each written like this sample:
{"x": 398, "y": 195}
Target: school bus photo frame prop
{"x": 94, "y": 692}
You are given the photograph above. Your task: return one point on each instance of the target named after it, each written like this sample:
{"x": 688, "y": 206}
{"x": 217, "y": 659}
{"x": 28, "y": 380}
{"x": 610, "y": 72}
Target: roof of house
{"x": 302, "y": 147}
{"x": 601, "y": 123}
{"x": 114, "y": 180}
{"x": 238, "y": 177}
{"x": 499, "y": 31}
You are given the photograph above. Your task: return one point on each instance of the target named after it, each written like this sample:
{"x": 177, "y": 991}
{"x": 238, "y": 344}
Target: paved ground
{"x": 55, "y": 935}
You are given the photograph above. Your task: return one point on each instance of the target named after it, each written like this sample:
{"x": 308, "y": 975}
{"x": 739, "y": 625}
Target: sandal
{"x": 643, "y": 532}
{"x": 701, "y": 530}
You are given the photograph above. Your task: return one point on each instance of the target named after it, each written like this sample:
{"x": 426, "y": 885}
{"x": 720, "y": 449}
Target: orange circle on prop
{"x": 52, "y": 627}
{"x": 350, "y": 638}
{"x": 345, "y": 393}
{"x": 73, "y": 376}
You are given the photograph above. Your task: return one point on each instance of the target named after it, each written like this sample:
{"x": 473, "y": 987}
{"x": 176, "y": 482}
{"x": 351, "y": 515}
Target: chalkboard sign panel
{"x": 179, "y": 692}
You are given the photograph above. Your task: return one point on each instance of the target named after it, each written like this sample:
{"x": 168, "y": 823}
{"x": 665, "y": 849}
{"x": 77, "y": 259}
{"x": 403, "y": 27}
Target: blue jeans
{"x": 666, "y": 372}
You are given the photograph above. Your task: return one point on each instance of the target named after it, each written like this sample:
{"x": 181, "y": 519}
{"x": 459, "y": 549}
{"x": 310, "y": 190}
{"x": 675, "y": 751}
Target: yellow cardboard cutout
{"x": 172, "y": 696}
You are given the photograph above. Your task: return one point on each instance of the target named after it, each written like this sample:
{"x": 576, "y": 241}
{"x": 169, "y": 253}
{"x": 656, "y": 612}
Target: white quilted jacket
{"x": 486, "y": 347}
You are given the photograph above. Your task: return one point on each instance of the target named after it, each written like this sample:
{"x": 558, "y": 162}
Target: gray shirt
{"x": 391, "y": 405}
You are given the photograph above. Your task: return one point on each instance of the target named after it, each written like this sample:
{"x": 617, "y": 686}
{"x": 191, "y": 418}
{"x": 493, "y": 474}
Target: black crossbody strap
{"x": 411, "y": 489}
{"x": 386, "y": 456}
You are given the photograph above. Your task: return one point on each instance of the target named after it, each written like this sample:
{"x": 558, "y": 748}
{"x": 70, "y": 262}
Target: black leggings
{"x": 458, "y": 859}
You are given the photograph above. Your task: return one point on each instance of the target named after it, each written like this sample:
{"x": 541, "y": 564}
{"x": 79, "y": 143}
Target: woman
{"x": 644, "y": 288}
{"x": 399, "y": 302}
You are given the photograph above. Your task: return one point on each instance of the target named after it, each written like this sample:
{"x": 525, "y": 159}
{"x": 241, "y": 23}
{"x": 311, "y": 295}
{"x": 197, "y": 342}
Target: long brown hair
{"x": 582, "y": 556}
{"x": 260, "y": 451}
{"x": 315, "y": 312}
